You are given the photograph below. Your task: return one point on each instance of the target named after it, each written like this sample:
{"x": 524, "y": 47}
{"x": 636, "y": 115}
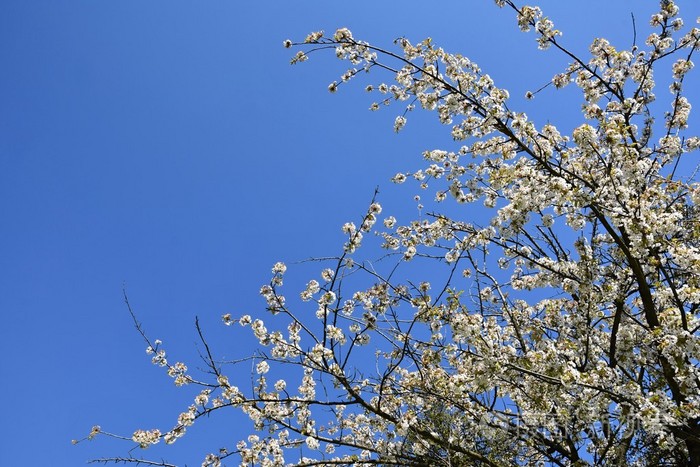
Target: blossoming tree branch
{"x": 562, "y": 331}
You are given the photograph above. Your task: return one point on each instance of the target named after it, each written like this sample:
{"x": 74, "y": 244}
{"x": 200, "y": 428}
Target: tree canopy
{"x": 562, "y": 330}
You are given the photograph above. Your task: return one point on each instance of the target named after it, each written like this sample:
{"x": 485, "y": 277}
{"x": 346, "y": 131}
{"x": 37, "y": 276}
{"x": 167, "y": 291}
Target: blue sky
{"x": 169, "y": 148}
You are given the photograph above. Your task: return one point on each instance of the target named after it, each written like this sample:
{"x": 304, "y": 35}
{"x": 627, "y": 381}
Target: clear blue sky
{"x": 168, "y": 147}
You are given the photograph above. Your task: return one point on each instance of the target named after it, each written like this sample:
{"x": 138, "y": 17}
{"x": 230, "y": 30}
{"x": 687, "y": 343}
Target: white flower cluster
{"x": 571, "y": 336}
{"x": 146, "y": 438}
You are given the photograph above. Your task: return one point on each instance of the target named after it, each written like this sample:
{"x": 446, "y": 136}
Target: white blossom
{"x": 556, "y": 325}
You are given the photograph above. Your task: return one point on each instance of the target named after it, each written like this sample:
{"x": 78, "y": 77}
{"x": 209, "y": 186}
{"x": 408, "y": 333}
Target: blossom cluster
{"x": 562, "y": 330}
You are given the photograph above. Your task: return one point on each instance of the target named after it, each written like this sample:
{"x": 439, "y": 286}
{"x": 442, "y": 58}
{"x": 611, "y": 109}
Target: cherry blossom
{"x": 564, "y": 330}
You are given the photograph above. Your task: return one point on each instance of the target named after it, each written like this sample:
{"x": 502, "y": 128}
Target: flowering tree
{"x": 563, "y": 330}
